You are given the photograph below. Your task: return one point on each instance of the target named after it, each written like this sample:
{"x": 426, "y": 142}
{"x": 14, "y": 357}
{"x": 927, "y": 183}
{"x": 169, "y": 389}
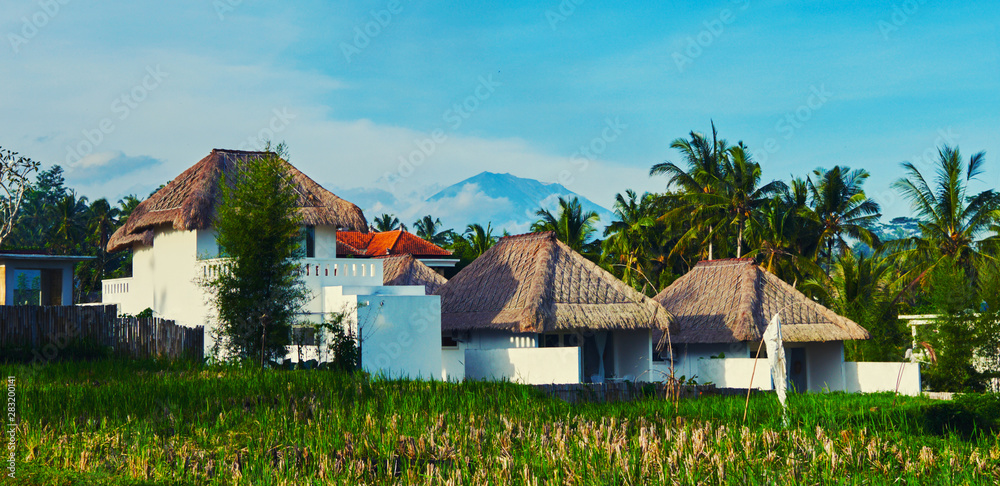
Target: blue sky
{"x": 126, "y": 95}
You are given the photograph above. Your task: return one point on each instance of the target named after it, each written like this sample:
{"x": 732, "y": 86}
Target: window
{"x": 309, "y": 234}
{"x": 550, "y": 341}
{"x": 571, "y": 340}
{"x": 448, "y": 342}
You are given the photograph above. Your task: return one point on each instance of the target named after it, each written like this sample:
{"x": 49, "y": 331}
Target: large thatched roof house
{"x": 723, "y": 307}
{"x": 533, "y": 291}
{"x": 174, "y": 249}
{"x": 188, "y": 202}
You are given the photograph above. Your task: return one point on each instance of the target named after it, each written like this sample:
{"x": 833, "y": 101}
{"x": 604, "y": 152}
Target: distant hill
{"x": 507, "y": 201}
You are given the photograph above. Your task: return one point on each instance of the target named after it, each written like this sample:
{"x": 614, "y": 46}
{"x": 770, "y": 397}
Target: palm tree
{"x": 952, "y": 222}
{"x": 572, "y": 225}
{"x": 859, "y": 288}
{"x": 840, "y": 208}
{"x": 480, "y": 239}
{"x": 706, "y": 170}
{"x": 69, "y": 224}
{"x": 386, "y": 222}
{"x": 777, "y": 238}
{"x": 627, "y": 238}
{"x": 427, "y": 228}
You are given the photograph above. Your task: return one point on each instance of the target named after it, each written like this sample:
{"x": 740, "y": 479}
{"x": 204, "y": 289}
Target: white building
{"x": 532, "y": 310}
{"x": 721, "y": 308}
{"x": 174, "y": 250}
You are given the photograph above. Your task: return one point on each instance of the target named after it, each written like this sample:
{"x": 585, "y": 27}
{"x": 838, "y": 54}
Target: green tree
{"x": 69, "y": 224}
{"x": 260, "y": 291}
{"x": 954, "y": 224}
{"x": 706, "y": 161}
{"x": 572, "y": 224}
{"x": 628, "y": 237}
{"x": 840, "y": 209}
{"x": 480, "y": 239}
{"x": 953, "y": 335}
{"x": 386, "y": 222}
{"x": 428, "y": 229}
{"x": 861, "y": 289}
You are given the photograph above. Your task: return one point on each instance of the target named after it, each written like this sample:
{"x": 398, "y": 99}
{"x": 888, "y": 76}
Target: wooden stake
{"x": 752, "y": 373}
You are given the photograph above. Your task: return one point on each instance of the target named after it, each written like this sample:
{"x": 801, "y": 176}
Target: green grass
{"x": 173, "y": 423}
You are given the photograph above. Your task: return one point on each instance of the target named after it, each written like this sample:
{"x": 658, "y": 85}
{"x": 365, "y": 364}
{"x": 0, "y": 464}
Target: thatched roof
{"x": 189, "y": 201}
{"x": 535, "y": 283}
{"x": 406, "y": 270}
{"x": 723, "y": 301}
{"x": 397, "y": 242}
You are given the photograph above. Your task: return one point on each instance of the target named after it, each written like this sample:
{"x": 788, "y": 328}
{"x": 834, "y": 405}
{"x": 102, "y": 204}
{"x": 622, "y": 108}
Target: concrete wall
{"x": 871, "y": 377}
{"x": 533, "y": 366}
{"x": 735, "y": 373}
{"x": 400, "y": 334}
{"x": 452, "y": 364}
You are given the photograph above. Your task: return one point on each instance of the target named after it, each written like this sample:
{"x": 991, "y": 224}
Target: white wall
{"x": 871, "y": 377}
{"x": 735, "y": 373}
{"x": 326, "y": 242}
{"x": 453, "y": 364}
{"x": 532, "y": 366}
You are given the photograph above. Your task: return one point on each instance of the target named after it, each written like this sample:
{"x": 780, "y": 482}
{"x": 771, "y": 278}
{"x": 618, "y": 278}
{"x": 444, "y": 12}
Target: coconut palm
{"x": 386, "y": 222}
{"x": 706, "y": 169}
{"x": 953, "y": 223}
{"x": 572, "y": 224}
{"x": 69, "y": 223}
{"x": 427, "y": 228}
{"x": 480, "y": 239}
{"x": 627, "y": 237}
{"x": 840, "y": 209}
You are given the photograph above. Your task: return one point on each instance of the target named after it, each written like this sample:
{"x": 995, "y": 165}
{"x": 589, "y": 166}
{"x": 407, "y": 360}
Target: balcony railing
{"x": 115, "y": 286}
{"x": 336, "y": 268}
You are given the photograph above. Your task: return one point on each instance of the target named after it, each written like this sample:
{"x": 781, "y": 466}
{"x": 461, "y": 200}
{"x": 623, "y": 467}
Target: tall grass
{"x": 174, "y": 423}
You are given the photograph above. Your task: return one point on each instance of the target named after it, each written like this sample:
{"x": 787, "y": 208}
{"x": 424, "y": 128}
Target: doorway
{"x": 797, "y": 371}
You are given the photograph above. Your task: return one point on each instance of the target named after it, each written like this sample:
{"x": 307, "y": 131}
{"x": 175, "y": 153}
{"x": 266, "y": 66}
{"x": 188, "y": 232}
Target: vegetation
{"x": 176, "y": 423}
{"x": 259, "y": 291}
{"x": 14, "y": 172}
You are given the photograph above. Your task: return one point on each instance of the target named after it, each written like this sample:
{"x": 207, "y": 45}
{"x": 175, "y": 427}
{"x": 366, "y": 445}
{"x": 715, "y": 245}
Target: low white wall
{"x": 735, "y": 373}
{"x": 531, "y": 366}
{"x": 870, "y": 377}
{"x": 452, "y": 364}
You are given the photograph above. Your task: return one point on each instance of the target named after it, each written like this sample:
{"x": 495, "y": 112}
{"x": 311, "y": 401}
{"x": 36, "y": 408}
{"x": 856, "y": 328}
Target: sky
{"x": 395, "y": 100}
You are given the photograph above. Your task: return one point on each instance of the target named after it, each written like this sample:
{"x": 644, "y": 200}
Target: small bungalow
{"x": 407, "y": 270}
{"x": 37, "y": 278}
{"x": 530, "y": 309}
{"x": 721, "y": 308}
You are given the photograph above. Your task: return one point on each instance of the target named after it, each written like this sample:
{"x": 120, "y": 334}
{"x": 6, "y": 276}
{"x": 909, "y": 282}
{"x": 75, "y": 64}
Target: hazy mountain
{"x": 505, "y": 200}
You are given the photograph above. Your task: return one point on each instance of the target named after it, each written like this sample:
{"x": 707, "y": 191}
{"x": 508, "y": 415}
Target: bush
{"x": 966, "y": 415}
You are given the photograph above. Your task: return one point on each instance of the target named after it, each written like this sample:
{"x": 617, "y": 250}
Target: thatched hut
{"x": 721, "y": 308}
{"x": 533, "y": 291}
{"x": 407, "y": 270}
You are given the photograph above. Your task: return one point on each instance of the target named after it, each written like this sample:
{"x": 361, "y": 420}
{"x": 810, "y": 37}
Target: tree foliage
{"x": 260, "y": 292}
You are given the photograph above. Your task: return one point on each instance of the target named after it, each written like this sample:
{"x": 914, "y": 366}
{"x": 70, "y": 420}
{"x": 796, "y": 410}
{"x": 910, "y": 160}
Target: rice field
{"x": 159, "y": 423}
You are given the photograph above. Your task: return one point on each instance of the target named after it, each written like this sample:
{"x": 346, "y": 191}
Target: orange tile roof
{"x": 388, "y": 243}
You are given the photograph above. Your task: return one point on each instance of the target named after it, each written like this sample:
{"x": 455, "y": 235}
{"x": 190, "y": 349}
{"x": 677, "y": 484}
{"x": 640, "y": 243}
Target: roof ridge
{"x": 529, "y": 236}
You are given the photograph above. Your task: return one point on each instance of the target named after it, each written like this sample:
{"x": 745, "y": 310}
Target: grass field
{"x": 148, "y": 423}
